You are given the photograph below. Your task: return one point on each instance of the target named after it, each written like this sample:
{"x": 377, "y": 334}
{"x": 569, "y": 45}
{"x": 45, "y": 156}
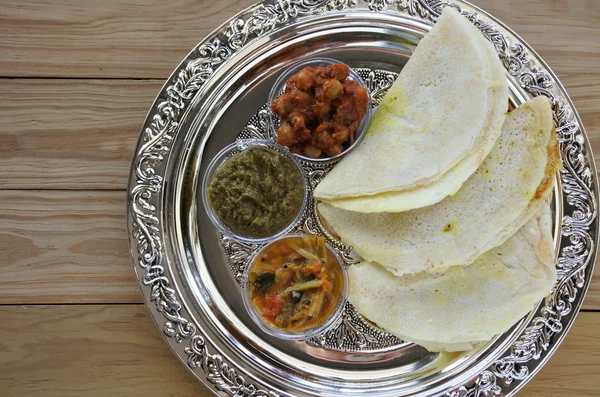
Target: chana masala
{"x": 296, "y": 283}
{"x": 320, "y": 111}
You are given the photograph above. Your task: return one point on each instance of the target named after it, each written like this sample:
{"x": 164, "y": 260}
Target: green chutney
{"x": 257, "y": 193}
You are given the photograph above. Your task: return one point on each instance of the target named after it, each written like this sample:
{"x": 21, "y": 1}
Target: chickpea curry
{"x": 296, "y": 283}
{"x": 320, "y": 111}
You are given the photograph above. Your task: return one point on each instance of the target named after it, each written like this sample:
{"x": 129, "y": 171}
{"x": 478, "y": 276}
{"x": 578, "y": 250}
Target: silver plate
{"x": 187, "y": 271}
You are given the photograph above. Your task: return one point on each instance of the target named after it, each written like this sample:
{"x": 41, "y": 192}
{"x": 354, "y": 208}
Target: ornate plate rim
{"x": 576, "y": 262}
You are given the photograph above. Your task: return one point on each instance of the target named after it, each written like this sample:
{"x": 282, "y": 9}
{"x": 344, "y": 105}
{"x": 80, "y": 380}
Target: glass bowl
{"x": 279, "y": 87}
{"x": 221, "y": 158}
{"x": 278, "y": 332}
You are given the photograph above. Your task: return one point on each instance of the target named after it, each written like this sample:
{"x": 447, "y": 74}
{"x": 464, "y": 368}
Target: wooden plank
{"x": 72, "y": 247}
{"x": 565, "y": 35}
{"x": 563, "y": 32}
{"x": 111, "y": 38}
{"x": 148, "y": 38}
{"x": 99, "y": 350}
{"x": 65, "y": 247}
{"x": 92, "y": 351}
{"x": 592, "y": 298}
{"x": 81, "y": 134}
{"x": 70, "y": 134}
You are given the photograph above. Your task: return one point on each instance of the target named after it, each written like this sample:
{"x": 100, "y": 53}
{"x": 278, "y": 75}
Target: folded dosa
{"x": 450, "y": 182}
{"x": 492, "y": 204}
{"x": 464, "y": 305}
{"x": 446, "y": 107}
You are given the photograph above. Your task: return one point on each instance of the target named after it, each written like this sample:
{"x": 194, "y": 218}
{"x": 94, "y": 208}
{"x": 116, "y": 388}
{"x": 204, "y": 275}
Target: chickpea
{"x": 339, "y": 71}
{"x": 332, "y": 89}
{"x": 302, "y": 98}
{"x": 341, "y": 135}
{"x": 361, "y": 100}
{"x": 304, "y": 81}
{"x": 286, "y": 128}
{"x": 285, "y": 135}
{"x": 278, "y": 106}
{"x": 297, "y": 121}
{"x": 334, "y": 150}
{"x": 321, "y": 133}
{"x": 351, "y": 86}
{"x": 311, "y": 151}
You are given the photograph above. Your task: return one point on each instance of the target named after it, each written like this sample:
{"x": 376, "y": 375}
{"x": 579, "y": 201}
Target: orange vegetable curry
{"x": 296, "y": 283}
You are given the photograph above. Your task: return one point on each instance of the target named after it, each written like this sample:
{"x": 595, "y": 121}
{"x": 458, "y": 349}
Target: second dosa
{"x": 491, "y": 205}
{"x": 465, "y": 305}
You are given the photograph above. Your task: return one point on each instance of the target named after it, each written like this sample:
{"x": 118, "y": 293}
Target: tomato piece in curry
{"x": 296, "y": 283}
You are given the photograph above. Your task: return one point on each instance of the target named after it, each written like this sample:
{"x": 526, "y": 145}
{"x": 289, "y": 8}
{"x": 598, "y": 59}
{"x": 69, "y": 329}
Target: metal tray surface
{"x": 189, "y": 273}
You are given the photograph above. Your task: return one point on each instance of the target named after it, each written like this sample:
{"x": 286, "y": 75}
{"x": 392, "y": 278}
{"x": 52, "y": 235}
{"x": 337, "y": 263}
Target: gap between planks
{"x": 596, "y": 310}
{"x": 73, "y": 247}
{"x": 83, "y": 78}
{"x": 86, "y": 140}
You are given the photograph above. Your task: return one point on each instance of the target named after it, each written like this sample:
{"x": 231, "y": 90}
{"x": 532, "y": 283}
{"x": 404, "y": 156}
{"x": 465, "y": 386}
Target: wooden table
{"x": 78, "y": 77}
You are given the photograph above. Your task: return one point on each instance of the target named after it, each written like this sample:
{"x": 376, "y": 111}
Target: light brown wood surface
{"x": 114, "y": 350}
{"x": 77, "y": 78}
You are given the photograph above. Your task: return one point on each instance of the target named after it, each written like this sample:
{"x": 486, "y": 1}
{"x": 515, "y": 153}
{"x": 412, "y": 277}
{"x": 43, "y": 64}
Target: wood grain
{"x": 70, "y": 134}
{"x": 72, "y": 247}
{"x": 92, "y": 351}
{"x": 148, "y": 38}
{"x": 99, "y": 350}
{"x": 63, "y": 128}
{"x": 573, "y": 369}
{"x": 100, "y": 121}
{"x": 111, "y": 38}
{"x": 65, "y": 247}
